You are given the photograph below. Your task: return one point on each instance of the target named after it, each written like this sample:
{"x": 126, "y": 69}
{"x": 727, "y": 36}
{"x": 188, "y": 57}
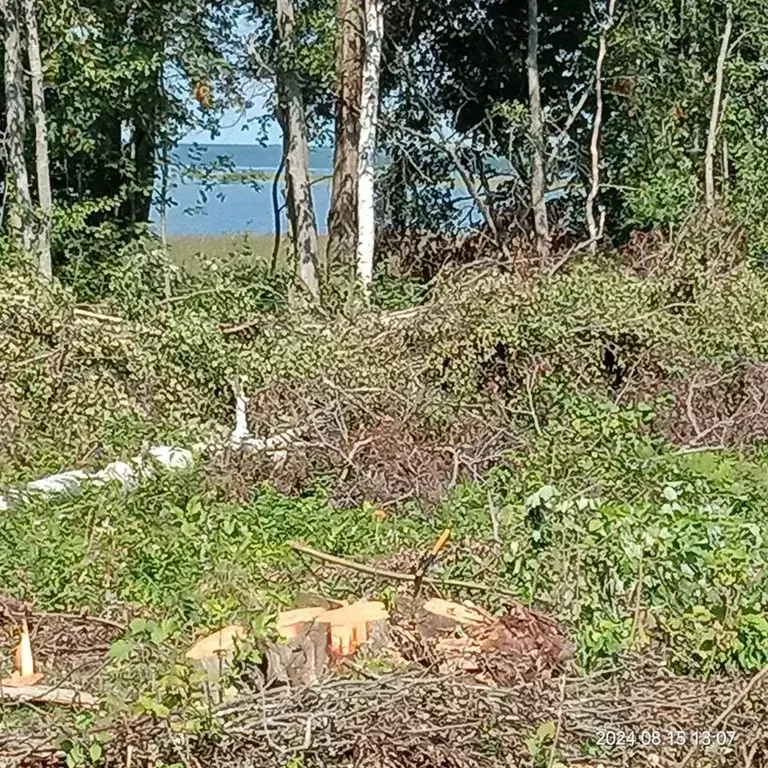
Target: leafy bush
{"x": 579, "y": 389}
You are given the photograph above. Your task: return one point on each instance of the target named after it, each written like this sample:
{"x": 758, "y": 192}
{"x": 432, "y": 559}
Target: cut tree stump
{"x": 311, "y": 637}
{"x": 297, "y": 621}
{"x": 464, "y": 614}
{"x": 24, "y": 674}
{"x": 352, "y": 626}
{"x": 215, "y": 654}
{"x": 300, "y": 661}
{"x": 498, "y": 650}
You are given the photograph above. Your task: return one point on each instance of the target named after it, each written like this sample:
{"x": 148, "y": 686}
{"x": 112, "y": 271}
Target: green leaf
{"x": 670, "y": 494}
{"x": 120, "y": 649}
{"x": 546, "y": 493}
{"x": 95, "y": 752}
{"x": 158, "y": 634}
{"x": 138, "y": 626}
{"x": 546, "y": 732}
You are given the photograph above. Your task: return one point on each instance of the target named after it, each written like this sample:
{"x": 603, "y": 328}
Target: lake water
{"x": 236, "y": 208}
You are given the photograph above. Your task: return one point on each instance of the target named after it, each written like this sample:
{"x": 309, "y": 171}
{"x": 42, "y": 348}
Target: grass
{"x": 688, "y": 531}
{"x": 185, "y": 250}
{"x": 591, "y": 514}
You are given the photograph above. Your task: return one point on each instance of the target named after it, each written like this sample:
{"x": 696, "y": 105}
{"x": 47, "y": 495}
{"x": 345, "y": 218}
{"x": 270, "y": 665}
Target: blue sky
{"x": 232, "y": 129}
{"x": 233, "y": 122}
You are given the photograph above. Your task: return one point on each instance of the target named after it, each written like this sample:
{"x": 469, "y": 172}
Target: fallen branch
{"x": 395, "y": 575}
{"x": 723, "y": 716}
{"x": 192, "y": 295}
{"x": 82, "y": 617}
{"x": 86, "y": 313}
{"x": 45, "y": 695}
{"x": 228, "y": 329}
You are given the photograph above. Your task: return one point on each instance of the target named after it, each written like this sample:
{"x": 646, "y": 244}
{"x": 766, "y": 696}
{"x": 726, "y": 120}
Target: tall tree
{"x": 714, "y": 120}
{"x": 538, "y": 175}
{"x": 374, "y": 33}
{"x": 20, "y": 210}
{"x": 664, "y": 117}
{"x": 342, "y": 218}
{"x": 43, "y": 173}
{"x": 596, "y": 230}
{"x": 297, "y": 160}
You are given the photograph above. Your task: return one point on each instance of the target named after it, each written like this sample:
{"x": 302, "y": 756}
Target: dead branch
{"x": 734, "y": 703}
{"x": 395, "y": 575}
{"x": 87, "y": 618}
{"x": 89, "y": 315}
{"x": 563, "y": 134}
{"x": 468, "y": 181}
{"x": 44, "y": 695}
{"x": 229, "y": 329}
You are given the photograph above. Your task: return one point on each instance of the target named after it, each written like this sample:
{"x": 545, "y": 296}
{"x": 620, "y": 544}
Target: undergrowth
{"x": 593, "y": 438}
{"x": 653, "y": 549}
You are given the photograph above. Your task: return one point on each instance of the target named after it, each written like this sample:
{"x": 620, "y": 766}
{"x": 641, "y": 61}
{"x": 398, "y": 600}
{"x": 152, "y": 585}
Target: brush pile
{"x": 455, "y": 686}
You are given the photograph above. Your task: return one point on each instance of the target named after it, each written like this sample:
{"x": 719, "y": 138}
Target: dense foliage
{"x": 591, "y": 424}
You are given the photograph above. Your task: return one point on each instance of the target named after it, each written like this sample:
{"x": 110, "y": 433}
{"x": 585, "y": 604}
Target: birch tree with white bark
{"x": 595, "y": 226}
{"x": 374, "y": 32}
{"x": 538, "y": 176}
{"x": 45, "y": 198}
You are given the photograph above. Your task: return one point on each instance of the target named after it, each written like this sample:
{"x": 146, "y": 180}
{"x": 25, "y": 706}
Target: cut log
{"x": 45, "y": 695}
{"x": 351, "y": 626}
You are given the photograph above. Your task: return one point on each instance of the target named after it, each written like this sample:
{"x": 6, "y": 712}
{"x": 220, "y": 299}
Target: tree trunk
{"x": 148, "y": 112}
{"x": 45, "y": 197}
{"x": 20, "y": 212}
{"x": 342, "y": 219}
{"x": 144, "y": 164}
{"x": 595, "y": 230}
{"x": 714, "y": 120}
{"x": 297, "y": 161}
{"x": 540, "y": 220}
{"x": 368, "y": 118}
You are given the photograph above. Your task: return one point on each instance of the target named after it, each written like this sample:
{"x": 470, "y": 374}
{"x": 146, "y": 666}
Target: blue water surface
{"x": 233, "y": 208}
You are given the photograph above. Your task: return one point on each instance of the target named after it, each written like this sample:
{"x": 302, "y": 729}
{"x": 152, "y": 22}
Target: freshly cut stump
{"x": 462, "y": 638}
{"x": 24, "y": 674}
{"x": 316, "y": 636}
{"x": 353, "y": 626}
{"x": 301, "y": 659}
